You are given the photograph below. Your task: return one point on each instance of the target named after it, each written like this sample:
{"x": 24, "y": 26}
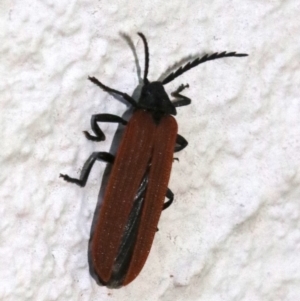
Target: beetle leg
{"x": 96, "y": 129}
{"x": 170, "y": 196}
{"x": 110, "y": 90}
{"x": 182, "y": 100}
{"x": 87, "y": 167}
{"x": 181, "y": 143}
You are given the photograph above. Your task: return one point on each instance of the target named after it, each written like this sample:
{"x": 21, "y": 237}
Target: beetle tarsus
{"x": 180, "y": 89}
{"x": 72, "y": 180}
{"x": 93, "y": 138}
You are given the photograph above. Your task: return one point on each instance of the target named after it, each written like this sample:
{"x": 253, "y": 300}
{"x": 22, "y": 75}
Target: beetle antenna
{"x": 146, "y": 57}
{"x": 199, "y": 61}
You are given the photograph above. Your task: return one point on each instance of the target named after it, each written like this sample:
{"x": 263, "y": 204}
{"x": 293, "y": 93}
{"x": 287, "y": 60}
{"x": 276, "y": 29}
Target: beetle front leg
{"x": 87, "y": 167}
{"x": 96, "y": 129}
{"x": 181, "y": 143}
{"x": 182, "y": 100}
{"x": 110, "y": 90}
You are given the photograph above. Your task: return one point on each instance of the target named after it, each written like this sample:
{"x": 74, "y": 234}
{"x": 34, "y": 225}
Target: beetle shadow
{"x": 113, "y": 150}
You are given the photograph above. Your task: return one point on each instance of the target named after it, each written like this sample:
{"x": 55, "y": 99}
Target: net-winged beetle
{"x": 138, "y": 183}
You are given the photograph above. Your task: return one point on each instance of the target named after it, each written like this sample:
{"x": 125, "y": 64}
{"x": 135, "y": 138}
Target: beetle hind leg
{"x": 87, "y": 167}
{"x": 170, "y": 196}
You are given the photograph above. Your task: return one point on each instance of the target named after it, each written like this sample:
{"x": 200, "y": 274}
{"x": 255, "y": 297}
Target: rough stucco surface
{"x": 233, "y": 232}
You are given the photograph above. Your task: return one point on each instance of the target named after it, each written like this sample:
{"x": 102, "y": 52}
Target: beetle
{"x": 138, "y": 183}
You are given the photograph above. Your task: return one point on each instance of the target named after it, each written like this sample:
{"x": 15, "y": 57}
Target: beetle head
{"x": 154, "y": 98}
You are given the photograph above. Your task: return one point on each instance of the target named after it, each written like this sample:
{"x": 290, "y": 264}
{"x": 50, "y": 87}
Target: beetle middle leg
{"x": 181, "y": 99}
{"x": 87, "y": 167}
{"x": 181, "y": 143}
{"x": 96, "y": 129}
{"x": 170, "y": 196}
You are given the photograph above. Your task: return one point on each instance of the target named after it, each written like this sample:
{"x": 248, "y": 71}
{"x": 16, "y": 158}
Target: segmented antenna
{"x": 199, "y": 61}
{"x": 146, "y": 57}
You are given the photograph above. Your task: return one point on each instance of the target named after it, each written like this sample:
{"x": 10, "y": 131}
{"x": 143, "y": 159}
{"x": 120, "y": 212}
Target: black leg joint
{"x": 170, "y": 196}
{"x": 99, "y": 135}
{"x": 181, "y": 99}
{"x": 181, "y": 143}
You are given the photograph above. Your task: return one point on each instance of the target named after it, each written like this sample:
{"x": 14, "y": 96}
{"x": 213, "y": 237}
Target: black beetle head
{"x": 154, "y": 98}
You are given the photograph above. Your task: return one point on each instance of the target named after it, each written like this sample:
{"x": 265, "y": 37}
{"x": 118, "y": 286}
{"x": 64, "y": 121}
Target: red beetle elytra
{"x": 138, "y": 183}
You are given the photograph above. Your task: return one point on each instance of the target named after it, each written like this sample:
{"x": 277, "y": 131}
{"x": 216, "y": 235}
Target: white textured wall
{"x": 233, "y": 232}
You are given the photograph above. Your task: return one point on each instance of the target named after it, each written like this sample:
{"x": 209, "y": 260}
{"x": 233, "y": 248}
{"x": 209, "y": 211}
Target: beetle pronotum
{"x": 138, "y": 183}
